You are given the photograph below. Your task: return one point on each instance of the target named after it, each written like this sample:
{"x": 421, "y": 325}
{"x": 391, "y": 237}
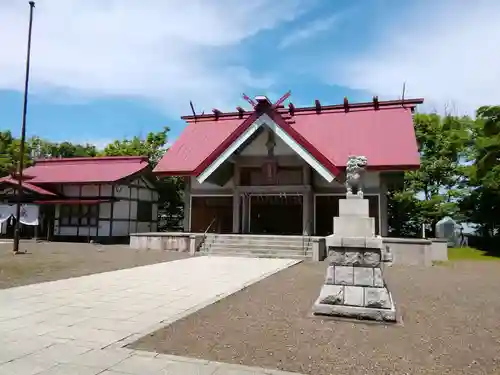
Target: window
{"x": 144, "y": 211}
{"x": 75, "y": 215}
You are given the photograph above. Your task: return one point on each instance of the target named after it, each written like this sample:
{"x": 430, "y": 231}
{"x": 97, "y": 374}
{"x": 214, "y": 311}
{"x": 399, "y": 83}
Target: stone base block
{"x": 354, "y": 207}
{"x": 337, "y": 241}
{"x": 385, "y": 315}
{"x": 354, "y": 226}
{"x": 356, "y": 302}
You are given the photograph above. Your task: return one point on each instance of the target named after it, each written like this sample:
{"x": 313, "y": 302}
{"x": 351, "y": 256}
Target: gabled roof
{"x": 382, "y": 131}
{"x": 85, "y": 170}
{"x": 27, "y": 186}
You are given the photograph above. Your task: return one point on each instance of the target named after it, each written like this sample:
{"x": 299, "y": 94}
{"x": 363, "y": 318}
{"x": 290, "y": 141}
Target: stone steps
{"x": 292, "y": 247}
{"x": 267, "y": 246}
{"x": 262, "y": 250}
{"x": 254, "y": 255}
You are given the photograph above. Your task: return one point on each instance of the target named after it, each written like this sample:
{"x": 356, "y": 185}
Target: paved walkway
{"x": 79, "y": 326}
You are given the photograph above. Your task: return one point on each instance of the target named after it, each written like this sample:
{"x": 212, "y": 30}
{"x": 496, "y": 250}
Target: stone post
{"x": 354, "y": 284}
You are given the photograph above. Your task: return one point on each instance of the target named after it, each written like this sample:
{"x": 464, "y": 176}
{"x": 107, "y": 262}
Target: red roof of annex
{"x": 380, "y": 130}
{"x": 84, "y": 169}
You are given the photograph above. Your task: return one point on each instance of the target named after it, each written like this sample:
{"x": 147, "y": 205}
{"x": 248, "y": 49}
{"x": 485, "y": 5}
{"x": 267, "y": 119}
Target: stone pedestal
{"x": 354, "y": 284}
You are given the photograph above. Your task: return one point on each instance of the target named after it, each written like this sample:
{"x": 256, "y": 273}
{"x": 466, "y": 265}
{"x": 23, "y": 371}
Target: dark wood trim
{"x": 137, "y": 211}
{"x": 129, "y": 207}
{"x": 111, "y": 214}
{"x": 79, "y": 219}
{"x": 152, "y": 210}
{"x": 98, "y": 213}
{"x": 59, "y": 221}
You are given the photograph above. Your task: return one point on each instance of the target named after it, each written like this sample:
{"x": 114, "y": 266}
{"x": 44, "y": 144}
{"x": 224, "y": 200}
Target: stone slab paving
{"x": 79, "y": 326}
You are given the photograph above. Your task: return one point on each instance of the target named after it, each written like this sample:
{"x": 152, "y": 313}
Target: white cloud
{"x": 309, "y": 31}
{"x": 167, "y": 51}
{"x": 447, "y": 52}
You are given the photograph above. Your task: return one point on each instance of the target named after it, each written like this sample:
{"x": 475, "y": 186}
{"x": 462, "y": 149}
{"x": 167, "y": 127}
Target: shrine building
{"x": 280, "y": 170}
{"x": 82, "y": 199}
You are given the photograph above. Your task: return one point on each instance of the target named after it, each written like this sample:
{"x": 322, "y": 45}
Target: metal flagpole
{"x": 23, "y": 138}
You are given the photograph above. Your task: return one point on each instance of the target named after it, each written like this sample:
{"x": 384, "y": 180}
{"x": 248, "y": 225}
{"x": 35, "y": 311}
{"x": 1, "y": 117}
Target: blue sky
{"x": 105, "y": 70}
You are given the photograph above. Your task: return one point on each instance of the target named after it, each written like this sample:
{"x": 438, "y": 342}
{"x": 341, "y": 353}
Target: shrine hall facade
{"x": 280, "y": 170}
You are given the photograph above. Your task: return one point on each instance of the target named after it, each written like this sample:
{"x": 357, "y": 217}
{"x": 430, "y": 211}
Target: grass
{"x": 469, "y": 253}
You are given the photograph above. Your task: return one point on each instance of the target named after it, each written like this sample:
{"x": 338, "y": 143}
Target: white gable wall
{"x": 122, "y": 213}
{"x": 267, "y": 122}
{"x": 258, "y": 146}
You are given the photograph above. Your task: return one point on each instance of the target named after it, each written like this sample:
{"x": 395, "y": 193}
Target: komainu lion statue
{"x": 354, "y": 174}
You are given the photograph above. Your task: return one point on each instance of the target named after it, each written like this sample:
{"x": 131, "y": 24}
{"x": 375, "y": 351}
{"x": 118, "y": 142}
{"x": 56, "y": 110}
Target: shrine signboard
{"x": 270, "y": 172}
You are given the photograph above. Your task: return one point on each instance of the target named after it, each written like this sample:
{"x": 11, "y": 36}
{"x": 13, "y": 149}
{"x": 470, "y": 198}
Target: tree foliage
{"x": 482, "y": 205}
{"x": 431, "y": 192}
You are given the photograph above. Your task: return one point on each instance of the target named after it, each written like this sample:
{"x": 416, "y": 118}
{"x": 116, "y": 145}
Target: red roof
{"x": 27, "y": 186}
{"x": 384, "y": 133}
{"x": 85, "y": 170}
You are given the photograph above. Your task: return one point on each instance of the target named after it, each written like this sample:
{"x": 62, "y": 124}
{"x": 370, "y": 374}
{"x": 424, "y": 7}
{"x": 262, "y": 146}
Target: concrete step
{"x": 252, "y": 238}
{"x": 219, "y": 249}
{"x": 254, "y": 245}
{"x": 253, "y": 255}
{"x": 263, "y": 244}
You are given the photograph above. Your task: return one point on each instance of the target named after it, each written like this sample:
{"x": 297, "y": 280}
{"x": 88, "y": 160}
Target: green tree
{"x": 170, "y": 189}
{"x": 40, "y": 148}
{"x": 482, "y": 205}
{"x": 433, "y": 191}
{"x": 153, "y": 146}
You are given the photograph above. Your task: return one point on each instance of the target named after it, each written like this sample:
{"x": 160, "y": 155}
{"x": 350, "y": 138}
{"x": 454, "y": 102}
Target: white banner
{"x": 6, "y": 211}
{"x": 29, "y": 213}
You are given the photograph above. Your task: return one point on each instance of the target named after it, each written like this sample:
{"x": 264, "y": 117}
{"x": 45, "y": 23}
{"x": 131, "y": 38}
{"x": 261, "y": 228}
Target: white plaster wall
{"x": 258, "y": 146}
{"x": 121, "y": 191}
{"x": 133, "y": 210}
{"x": 371, "y": 180}
{"x": 104, "y": 226}
{"x": 120, "y": 228}
{"x": 145, "y": 195}
{"x": 122, "y": 209}
{"x": 89, "y": 190}
{"x": 106, "y": 190}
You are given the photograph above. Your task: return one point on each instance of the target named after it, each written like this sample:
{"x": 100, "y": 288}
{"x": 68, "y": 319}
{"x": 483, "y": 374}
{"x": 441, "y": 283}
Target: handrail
{"x": 304, "y": 235}
{"x": 209, "y": 225}
{"x": 205, "y": 233}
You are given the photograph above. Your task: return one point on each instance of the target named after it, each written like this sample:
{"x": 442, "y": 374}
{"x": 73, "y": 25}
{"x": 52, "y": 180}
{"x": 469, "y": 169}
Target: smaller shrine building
{"x": 280, "y": 170}
{"x": 103, "y": 199}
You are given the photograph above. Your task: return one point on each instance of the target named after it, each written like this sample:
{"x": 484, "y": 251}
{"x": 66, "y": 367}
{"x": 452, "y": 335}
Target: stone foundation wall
{"x": 160, "y": 241}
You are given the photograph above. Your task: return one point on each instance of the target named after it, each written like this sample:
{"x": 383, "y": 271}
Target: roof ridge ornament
{"x": 282, "y": 99}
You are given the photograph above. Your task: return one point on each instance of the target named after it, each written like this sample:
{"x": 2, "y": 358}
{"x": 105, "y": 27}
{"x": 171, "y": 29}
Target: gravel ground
{"x": 450, "y": 325}
{"x": 58, "y": 260}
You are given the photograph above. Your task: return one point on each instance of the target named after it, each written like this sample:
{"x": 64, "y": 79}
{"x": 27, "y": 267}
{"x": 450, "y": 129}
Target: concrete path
{"x": 79, "y": 326}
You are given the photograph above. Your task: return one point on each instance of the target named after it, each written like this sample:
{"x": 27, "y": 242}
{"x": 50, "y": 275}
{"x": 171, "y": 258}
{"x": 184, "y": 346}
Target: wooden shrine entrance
{"x": 214, "y": 214}
{"x": 276, "y": 214}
